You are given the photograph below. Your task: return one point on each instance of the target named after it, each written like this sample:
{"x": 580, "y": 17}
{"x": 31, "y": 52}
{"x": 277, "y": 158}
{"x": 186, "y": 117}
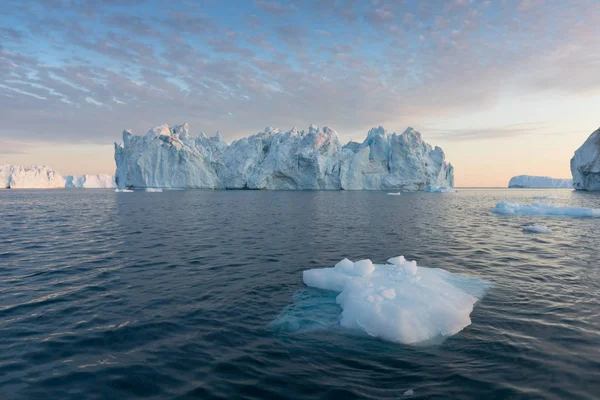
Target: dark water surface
{"x": 170, "y": 295}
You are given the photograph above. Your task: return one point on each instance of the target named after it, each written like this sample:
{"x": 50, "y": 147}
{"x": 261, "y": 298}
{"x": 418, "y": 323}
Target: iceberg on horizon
{"x": 313, "y": 159}
{"x": 35, "y": 177}
{"x": 513, "y": 208}
{"x": 42, "y": 177}
{"x": 100, "y": 181}
{"x": 585, "y": 164}
{"x": 529, "y": 181}
{"x": 399, "y": 301}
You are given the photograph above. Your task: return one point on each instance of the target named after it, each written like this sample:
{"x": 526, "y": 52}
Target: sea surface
{"x": 173, "y": 295}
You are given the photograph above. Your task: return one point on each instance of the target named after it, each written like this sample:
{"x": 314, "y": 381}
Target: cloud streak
{"x": 82, "y": 73}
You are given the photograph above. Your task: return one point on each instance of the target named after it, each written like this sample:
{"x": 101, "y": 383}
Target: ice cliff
{"x": 313, "y": 159}
{"x": 528, "y": 181}
{"x": 41, "y": 177}
{"x": 585, "y": 164}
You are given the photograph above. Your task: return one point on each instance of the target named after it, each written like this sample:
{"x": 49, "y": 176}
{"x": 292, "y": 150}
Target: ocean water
{"x": 176, "y": 295}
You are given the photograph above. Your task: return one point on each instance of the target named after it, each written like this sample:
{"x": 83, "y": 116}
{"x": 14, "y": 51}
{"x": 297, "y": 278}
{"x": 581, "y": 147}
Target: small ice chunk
{"x": 153, "y": 190}
{"x": 410, "y": 267}
{"x": 549, "y": 197}
{"x": 363, "y": 267}
{"x": 394, "y": 194}
{"x": 123, "y": 190}
{"x": 344, "y": 265}
{"x": 397, "y": 260}
{"x": 537, "y": 228}
{"x": 400, "y": 301}
{"x": 513, "y": 208}
{"x": 409, "y": 392}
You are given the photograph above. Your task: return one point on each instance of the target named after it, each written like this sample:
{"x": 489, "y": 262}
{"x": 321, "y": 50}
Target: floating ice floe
{"x": 536, "y": 228}
{"x": 123, "y": 190}
{"x": 153, "y": 190}
{"x": 548, "y": 197}
{"x": 513, "y": 208}
{"x": 409, "y": 392}
{"x": 399, "y": 301}
{"x": 394, "y": 194}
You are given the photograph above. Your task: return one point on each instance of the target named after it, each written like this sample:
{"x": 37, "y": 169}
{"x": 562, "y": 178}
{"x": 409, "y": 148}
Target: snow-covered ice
{"x": 313, "y": 159}
{"x": 399, "y": 301}
{"x": 536, "y": 228}
{"x": 585, "y": 164}
{"x": 153, "y": 190}
{"x": 394, "y": 194}
{"x": 529, "y": 181}
{"x": 513, "y": 208}
{"x": 552, "y": 196}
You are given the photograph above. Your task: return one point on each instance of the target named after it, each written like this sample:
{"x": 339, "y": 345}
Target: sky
{"x": 505, "y": 87}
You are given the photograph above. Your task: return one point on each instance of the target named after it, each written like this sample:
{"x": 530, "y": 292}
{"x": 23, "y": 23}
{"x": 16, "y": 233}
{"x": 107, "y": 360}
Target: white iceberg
{"x": 42, "y": 177}
{"x": 513, "y": 208}
{"x": 153, "y": 190}
{"x": 585, "y": 164}
{"x": 35, "y": 177}
{"x": 168, "y": 157}
{"x": 536, "y": 228}
{"x": 395, "y": 194}
{"x": 528, "y": 181}
{"x": 100, "y": 181}
{"x": 399, "y": 301}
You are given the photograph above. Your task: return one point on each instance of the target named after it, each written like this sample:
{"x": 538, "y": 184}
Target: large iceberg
{"x": 585, "y": 164}
{"x": 42, "y": 177}
{"x": 528, "y": 181}
{"x": 399, "y": 301}
{"x": 100, "y": 181}
{"x": 313, "y": 159}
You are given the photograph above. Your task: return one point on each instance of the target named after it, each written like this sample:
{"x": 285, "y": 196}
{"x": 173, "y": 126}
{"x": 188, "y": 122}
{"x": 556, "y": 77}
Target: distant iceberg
{"x": 512, "y": 208}
{"x": 100, "y": 181}
{"x": 313, "y": 159}
{"x": 528, "y": 181}
{"x": 398, "y": 301}
{"x": 42, "y": 177}
{"x": 585, "y": 164}
{"x": 35, "y": 177}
